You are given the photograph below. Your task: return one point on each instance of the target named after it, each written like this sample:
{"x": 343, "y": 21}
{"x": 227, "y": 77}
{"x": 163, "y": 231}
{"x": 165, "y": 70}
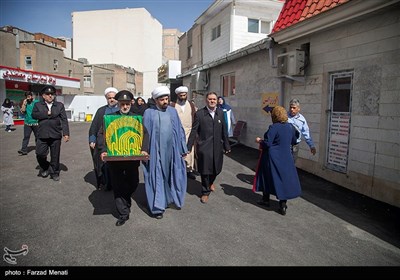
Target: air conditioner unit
{"x": 291, "y": 63}
{"x": 199, "y": 81}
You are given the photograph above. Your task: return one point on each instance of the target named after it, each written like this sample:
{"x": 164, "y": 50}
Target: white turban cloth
{"x": 160, "y": 91}
{"x": 181, "y": 89}
{"x": 110, "y": 89}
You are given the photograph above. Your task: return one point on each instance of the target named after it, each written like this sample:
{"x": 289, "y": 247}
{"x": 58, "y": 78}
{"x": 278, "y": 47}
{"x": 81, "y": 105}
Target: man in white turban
{"x": 100, "y": 167}
{"x": 186, "y": 111}
{"x": 165, "y": 144}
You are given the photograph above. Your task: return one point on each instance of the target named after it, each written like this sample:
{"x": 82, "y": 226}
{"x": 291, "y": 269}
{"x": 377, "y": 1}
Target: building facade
{"x": 342, "y": 62}
{"x": 129, "y": 37}
{"x": 230, "y": 25}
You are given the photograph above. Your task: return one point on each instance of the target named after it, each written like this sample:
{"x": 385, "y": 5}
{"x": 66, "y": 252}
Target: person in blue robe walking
{"x": 276, "y": 173}
{"x": 165, "y": 145}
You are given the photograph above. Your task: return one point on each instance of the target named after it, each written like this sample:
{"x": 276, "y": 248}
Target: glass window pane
{"x": 341, "y": 95}
{"x": 265, "y": 27}
{"x": 253, "y": 25}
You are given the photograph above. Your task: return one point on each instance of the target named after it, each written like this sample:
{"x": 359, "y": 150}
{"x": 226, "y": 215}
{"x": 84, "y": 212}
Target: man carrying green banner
{"x": 120, "y": 142}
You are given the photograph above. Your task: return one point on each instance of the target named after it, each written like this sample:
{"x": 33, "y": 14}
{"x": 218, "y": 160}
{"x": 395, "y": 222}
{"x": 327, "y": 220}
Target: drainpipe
{"x": 18, "y": 62}
{"x": 271, "y": 53}
{"x": 233, "y": 13}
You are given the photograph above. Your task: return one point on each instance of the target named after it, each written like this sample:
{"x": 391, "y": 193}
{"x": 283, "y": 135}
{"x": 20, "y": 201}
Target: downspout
{"x": 271, "y": 53}
{"x": 233, "y": 13}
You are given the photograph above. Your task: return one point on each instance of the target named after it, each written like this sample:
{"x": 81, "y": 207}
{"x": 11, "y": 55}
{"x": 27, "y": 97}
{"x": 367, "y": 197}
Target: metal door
{"x": 340, "y": 85}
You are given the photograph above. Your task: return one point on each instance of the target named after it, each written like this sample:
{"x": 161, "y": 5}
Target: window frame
{"x": 216, "y": 32}
{"x": 260, "y": 24}
{"x": 28, "y": 58}
{"x": 228, "y": 84}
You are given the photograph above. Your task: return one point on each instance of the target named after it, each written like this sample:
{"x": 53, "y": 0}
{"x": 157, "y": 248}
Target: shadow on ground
{"x": 374, "y": 217}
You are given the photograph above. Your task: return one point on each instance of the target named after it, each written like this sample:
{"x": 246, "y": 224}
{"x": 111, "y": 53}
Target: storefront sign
{"x": 18, "y": 75}
{"x": 27, "y": 77}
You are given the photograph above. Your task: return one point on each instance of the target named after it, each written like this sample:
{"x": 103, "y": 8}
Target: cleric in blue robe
{"x": 165, "y": 171}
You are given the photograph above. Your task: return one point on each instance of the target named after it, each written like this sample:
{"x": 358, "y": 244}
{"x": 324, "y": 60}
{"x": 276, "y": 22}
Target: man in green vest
{"x": 30, "y": 124}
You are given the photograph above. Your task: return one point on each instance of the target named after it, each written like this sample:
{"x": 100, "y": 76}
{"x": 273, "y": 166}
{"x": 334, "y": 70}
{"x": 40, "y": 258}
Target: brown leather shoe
{"x": 204, "y": 199}
{"x": 212, "y": 188}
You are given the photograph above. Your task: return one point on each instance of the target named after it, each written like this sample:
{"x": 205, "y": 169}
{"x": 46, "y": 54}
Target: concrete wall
{"x": 254, "y": 76}
{"x": 370, "y": 48}
{"x": 221, "y": 45}
{"x": 43, "y": 57}
{"x": 184, "y": 42}
{"x": 8, "y": 56}
{"x": 129, "y": 37}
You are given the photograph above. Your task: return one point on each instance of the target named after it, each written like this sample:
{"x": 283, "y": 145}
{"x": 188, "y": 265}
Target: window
{"x": 189, "y": 52}
{"x": 252, "y": 25}
{"x": 265, "y": 27}
{"x": 228, "y": 84}
{"x": 216, "y": 32}
{"x": 87, "y": 81}
{"x": 69, "y": 73}
{"x": 28, "y": 63}
{"x": 55, "y": 64}
{"x": 258, "y": 26}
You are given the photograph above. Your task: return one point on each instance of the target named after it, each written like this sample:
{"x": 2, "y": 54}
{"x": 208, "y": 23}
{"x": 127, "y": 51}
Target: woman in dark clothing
{"x": 276, "y": 173}
{"x": 8, "y": 112}
{"x": 139, "y": 106}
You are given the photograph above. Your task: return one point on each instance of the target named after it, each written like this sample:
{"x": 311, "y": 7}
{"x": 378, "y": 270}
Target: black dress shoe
{"x": 159, "y": 216}
{"x": 282, "y": 208}
{"x": 120, "y": 223}
{"x": 44, "y": 173}
{"x": 55, "y": 177}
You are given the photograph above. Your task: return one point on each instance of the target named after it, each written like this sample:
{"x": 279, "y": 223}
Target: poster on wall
{"x": 268, "y": 101}
{"x": 123, "y": 136}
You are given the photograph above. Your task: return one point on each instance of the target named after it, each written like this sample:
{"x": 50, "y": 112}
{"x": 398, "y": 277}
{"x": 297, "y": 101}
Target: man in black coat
{"x": 100, "y": 167}
{"x": 53, "y": 125}
{"x": 209, "y": 127}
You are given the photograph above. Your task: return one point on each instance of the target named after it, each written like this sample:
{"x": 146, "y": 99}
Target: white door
{"x": 340, "y": 85}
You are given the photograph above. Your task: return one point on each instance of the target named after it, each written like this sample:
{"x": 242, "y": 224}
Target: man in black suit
{"x": 53, "y": 125}
{"x": 209, "y": 127}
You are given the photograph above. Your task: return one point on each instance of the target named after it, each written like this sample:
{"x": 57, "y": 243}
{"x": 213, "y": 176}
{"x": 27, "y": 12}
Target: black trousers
{"x": 101, "y": 170}
{"x": 42, "y": 149}
{"x": 124, "y": 177}
{"x": 28, "y": 129}
{"x": 206, "y": 182}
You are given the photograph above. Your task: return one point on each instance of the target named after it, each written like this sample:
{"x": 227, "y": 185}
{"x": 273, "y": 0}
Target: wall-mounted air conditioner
{"x": 199, "y": 81}
{"x": 291, "y": 63}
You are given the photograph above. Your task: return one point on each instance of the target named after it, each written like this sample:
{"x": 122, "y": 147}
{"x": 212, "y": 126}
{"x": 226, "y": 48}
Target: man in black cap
{"x": 124, "y": 174}
{"x": 53, "y": 125}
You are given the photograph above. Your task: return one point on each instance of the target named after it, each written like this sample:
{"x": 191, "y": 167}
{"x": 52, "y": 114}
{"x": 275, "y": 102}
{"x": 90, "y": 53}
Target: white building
{"x": 129, "y": 37}
{"x": 231, "y": 25}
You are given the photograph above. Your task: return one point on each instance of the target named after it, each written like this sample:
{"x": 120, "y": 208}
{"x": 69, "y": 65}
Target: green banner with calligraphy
{"x": 123, "y": 135}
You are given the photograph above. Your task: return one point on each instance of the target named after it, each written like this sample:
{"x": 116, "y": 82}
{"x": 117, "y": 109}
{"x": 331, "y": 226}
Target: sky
{"x": 53, "y": 17}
